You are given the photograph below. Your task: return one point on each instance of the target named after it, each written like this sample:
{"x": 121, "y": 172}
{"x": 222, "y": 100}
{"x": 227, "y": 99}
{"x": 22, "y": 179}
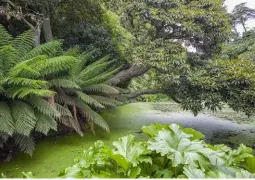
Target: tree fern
{"x": 25, "y": 143}
{"x": 72, "y": 123}
{"x": 57, "y": 64}
{"x": 45, "y": 123}
{"x": 5, "y": 37}
{"x": 87, "y": 112}
{"x": 21, "y": 92}
{"x": 82, "y": 60}
{"x": 102, "y": 88}
{"x": 100, "y": 78}
{"x": 62, "y": 98}
{"x": 20, "y": 81}
{"x": 88, "y": 99}
{"x": 50, "y": 49}
{"x": 63, "y": 83}
{"x": 3, "y": 138}
{"x": 93, "y": 70}
{"x": 6, "y": 120}
{"x": 43, "y": 106}
{"x": 23, "y": 43}
{"x": 24, "y": 117}
{"x": 108, "y": 102}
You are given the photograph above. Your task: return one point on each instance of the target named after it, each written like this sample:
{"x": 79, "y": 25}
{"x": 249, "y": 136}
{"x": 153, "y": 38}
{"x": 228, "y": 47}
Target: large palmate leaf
{"x": 178, "y": 147}
{"x": 131, "y": 151}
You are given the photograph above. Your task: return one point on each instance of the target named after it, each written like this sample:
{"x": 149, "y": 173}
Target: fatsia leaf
{"x": 130, "y": 150}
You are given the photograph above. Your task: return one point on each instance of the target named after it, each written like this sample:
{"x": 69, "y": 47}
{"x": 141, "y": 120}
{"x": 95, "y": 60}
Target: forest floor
{"x": 56, "y": 153}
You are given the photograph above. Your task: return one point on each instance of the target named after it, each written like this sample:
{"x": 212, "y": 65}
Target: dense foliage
{"x": 44, "y": 86}
{"x": 171, "y": 151}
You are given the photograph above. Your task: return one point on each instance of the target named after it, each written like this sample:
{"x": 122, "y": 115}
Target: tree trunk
{"x": 37, "y": 34}
{"x": 128, "y": 74}
{"x": 47, "y": 31}
{"x": 243, "y": 24}
{"x": 143, "y": 92}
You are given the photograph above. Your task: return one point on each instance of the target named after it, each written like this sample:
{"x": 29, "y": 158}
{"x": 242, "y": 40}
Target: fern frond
{"x": 45, "y": 123}
{"x": 88, "y": 100}
{"x": 63, "y": 83}
{"x": 6, "y": 121}
{"x": 74, "y": 51}
{"x": 23, "y": 116}
{"x": 57, "y": 64}
{"x": 23, "y": 70}
{"x": 49, "y": 49}
{"x": 106, "y": 101}
{"x": 43, "y": 106}
{"x": 101, "y": 78}
{"x": 72, "y": 123}
{"x": 21, "y": 92}
{"x": 3, "y": 138}
{"x": 8, "y": 58}
{"x": 5, "y": 37}
{"x": 18, "y": 81}
{"x": 23, "y": 43}
{"x": 25, "y": 143}
{"x": 87, "y": 112}
{"x": 64, "y": 111}
{"x": 82, "y": 60}
{"x": 93, "y": 70}
{"x": 102, "y": 88}
{"x": 62, "y": 98}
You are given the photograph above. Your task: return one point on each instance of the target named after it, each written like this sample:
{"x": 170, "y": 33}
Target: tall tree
{"x": 241, "y": 14}
{"x": 163, "y": 30}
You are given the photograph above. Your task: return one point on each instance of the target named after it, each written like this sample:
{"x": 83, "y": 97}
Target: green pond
{"x": 56, "y": 153}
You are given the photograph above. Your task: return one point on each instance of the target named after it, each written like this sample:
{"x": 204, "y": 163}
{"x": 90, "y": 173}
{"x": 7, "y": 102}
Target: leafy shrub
{"x": 171, "y": 151}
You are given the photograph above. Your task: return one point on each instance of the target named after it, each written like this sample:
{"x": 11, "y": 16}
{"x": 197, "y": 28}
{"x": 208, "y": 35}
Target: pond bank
{"x": 54, "y": 154}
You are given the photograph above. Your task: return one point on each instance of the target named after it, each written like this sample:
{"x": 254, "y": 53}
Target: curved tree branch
{"x": 128, "y": 74}
{"x": 143, "y": 92}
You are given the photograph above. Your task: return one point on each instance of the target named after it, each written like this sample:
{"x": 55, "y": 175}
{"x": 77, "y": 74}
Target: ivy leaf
{"x": 132, "y": 152}
{"x": 177, "y": 146}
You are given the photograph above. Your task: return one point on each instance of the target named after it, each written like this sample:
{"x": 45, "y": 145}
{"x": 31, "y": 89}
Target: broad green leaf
{"x": 27, "y": 175}
{"x": 130, "y": 150}
{"x": 196, "y": 134}
{"x": 72, "y": 172}
{"x": 193, "y": 173}
{"x": 177, "y": 146}
{"x": 134, "y": 172}
{"x": 153, "y": 129}
{"x": 250, "y": 164}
